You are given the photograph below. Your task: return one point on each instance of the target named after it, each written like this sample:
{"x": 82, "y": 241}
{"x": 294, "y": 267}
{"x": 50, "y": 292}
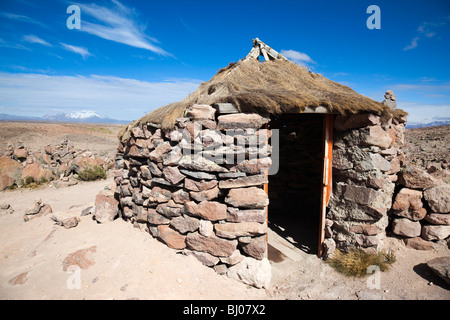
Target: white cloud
{"x": 427, "y": 30}
{"x": 425, "y": 113}
{"x": 31, "y": 38}
{"x": 118, "y": 98}
{"x": 80, "y": 50}
{"x": 297, "y": 57}
{"x": 118, "y": 25}
{"x": 414, "y": 43}
{"x": 22, "y": 18}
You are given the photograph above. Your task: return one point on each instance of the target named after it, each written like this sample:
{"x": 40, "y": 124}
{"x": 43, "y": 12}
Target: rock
{"x": 235, "y": 257}
{"x": 206, "y": 228}
{"x": 21, "y": 154}
{"x": 256, "y": 248}
{"x": 198, "y": 174}
{"x": 441, "y": 266}
{"x": 438, "y": 198}
{"x": 406, "y": 227}
{"x": 254, "y": 180}
{"x": 11, "y": 168}
{"x": 199, "y": 163}
{"x": 366, "y": 241}
{"x": 5, "y": 181}
{"x": 366, "y": 229}
{"x": 170, "y": 209}
{"x": 185, "y": 224}
{"x": 254, "y": 166}
{"x": 418, "y": 243}
{"x": 253, "y": 272}
{"x": 180, "y": 196}
{"x": 376, "y": 136}
{"x": 209, "y": 210}
{"x": 106, "y": 208}
{"x": 205, "y": 258}
{"x": 408, "y": 204}
{"x": 206, "y": 195}
{"x": 160, "y": 151}
{"x": 201, "y": 112}
{"x": 35, "y": 208}
{"x": 83, "y": 258}
{"x": 154, "y": 217}
{"x": 435, "y": 232}
{"x": 241, "y": 121}
{"x": 251, "y": 198}
{"x": 173, "y": 175}
{"x": 252, "y": 215}
{"x": 173, "y": 157}
{"x": 364, "y": 161}
{"x": 19, "y": 279}
{"x": 344, "y": 123}
{"x": 68, "y": 223}
{"x": 416, "y": 178}
{"x": 213, "y": 245}
{"x": 156, "y": 194}
{"x": 202, "y": 185}
{"x": 232, "y": 230}
{"x": 209, "y": 139}
{"x": 329, "y": 247}
{"x": 438, "y": 218}
{"x": 171, "y": 237}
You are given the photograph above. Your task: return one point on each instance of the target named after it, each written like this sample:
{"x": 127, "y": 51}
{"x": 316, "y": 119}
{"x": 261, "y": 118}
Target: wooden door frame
{"x": 327, "y": 139}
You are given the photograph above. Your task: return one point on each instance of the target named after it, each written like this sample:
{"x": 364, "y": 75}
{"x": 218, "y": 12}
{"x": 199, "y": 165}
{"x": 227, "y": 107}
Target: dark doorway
{"x": 295, "y": 190}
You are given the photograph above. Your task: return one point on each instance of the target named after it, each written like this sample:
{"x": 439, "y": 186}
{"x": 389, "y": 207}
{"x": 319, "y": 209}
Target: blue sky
{"x": 130, "y": 57}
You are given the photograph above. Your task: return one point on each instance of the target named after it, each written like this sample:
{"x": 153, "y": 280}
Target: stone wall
{"x": 199, "y": 188}
{"x": 367, "y": 156}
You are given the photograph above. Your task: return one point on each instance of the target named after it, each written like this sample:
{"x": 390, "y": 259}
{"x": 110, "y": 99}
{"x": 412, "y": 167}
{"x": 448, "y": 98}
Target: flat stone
{"x": 205, "y": 258}
{"x": 441, "y": 266}
{"x": 213, "y": 245}
{"x": 157, "y": 194}
{"x": 256, "y": 248}
{"x": 106, "y": 208}
{"x": 241, "y": 121}
{"x": 376, "y": 136}
{"x": 154, "y": 217}
{"x": 83, "y": 258}
{"x": 254, "y": 166}
{"x": 235, "y": 258}
{"x": 202, "y": 185}
{"x": 180, "y": 196}
{"x": 366, "y": 229}
{"x": 344, "y": 123}
{"x": 185, "y": 224}
{"x": 438, "y": 218}
{"x": 201, "y": 112}
{"x": 240, "y": 229}
{"x": 198, "y": 174}
{"x": 251, "y": 198}
{"x": 416, "y": 178}
{"x": 170, "y": 209}
{"x": 173, "y": 175}
{"x": 5, "y": 181}
{"x": 418, "y": 243}
{"x": 205, "y": 195}
{"x": 251, "y": 215}
{"x": 160, "y": 151}
{"x": 255, "y": 180}
{"x": 199, "y": 163}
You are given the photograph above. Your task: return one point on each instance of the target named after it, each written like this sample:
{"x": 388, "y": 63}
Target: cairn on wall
{"x": 199, "y": 188}
{"x": 367, "y": 156}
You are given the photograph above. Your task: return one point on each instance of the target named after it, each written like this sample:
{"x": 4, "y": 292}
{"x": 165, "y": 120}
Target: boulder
{"x": 106, "y": 208}
{"x": 5, "y": 181}
{"x": 441, "y": 266}
{"x": 251, "y": 271}
{"x": 416, "y": 178}
{"x": 213, "y": 245}
{"x": 201, "y": 112}
{"x": 435, "y": 232}
{"x": 438, "y": 198}
{"x": 20, "y": 153}
{"x": 10, "y": 167}
{"x": 251, "y": 198}
{"x": 407, "y": 228}
{"x": 171, "y": 237}
{"x": 376, "y": 136}
{"x": 408, "y": 204}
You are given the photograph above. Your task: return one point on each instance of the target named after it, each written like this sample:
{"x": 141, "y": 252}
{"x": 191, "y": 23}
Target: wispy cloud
{"x": 31, "y": 38}
{"x": 298, "y": 57}
{"x": 118, "y": 24}
{"x": 116, "y": 97}
{"x": 425, "y": 30}
{"x": 80, "y": 50}
{"x": 22, "y": 18}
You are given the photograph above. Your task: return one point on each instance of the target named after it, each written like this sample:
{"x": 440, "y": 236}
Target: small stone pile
{"x": 58, "y": 162}
{"x": 367, "y": 156}
{"x": 38, "y": 209}
{"x": 421, "y": 209}
{"x": 390, "y": 100}
{"x": 199, "y": 188}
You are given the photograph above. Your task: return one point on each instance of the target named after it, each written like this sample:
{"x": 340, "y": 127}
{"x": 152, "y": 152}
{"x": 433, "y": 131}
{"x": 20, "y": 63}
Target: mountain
{"x": 80, "y": 116}
{"x": 414, "y": 125}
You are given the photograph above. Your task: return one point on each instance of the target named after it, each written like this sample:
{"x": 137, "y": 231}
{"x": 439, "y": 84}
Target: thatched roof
{"x": 272, "y": 87}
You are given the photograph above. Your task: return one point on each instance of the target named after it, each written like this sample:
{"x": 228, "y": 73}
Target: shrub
{"x": 92, "y": 174}
{"x": 356, "y": 262}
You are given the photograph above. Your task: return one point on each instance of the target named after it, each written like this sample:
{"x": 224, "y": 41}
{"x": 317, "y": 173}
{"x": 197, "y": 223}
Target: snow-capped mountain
{"x": 81, "y": 116}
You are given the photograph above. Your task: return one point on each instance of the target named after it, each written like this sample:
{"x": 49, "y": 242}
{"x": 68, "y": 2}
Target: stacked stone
{"x": 390, "y": 100}
{"x": 200, "y": 189}
{"x": 421, "y": 209}
{"x": 367, "y": 155}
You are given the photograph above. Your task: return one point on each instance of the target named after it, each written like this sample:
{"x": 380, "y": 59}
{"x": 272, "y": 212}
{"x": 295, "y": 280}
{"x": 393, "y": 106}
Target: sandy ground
{"x": 129, "y": 263}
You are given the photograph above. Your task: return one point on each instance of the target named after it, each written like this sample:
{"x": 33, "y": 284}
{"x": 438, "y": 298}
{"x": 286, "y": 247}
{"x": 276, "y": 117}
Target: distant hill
{"x": 431, "y": 124}
{"x": 81, "y": 116}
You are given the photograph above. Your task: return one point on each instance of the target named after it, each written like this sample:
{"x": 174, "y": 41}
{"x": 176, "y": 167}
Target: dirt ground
{"x": 129, "y": 264}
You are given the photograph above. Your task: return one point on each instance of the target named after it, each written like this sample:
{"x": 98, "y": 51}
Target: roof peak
{"x": 262, "y": 49}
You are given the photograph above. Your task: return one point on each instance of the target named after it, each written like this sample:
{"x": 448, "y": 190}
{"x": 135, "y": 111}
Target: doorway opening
{"x": 295, "y": 191}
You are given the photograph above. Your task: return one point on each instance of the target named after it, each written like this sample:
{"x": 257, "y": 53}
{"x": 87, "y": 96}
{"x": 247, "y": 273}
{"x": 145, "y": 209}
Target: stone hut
{"x": 262, "y": 145}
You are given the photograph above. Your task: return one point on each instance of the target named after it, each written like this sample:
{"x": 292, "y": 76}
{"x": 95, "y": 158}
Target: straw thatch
{"x": 272, "y": 87}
